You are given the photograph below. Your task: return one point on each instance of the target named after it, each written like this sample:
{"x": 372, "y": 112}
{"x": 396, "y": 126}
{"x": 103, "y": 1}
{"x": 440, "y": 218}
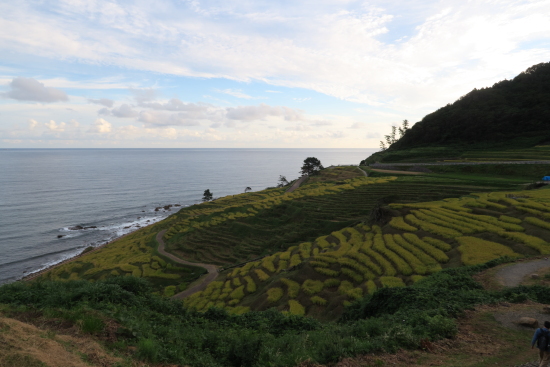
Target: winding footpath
{"x": 513, "y": 275}
{"x": 209, "y": 278}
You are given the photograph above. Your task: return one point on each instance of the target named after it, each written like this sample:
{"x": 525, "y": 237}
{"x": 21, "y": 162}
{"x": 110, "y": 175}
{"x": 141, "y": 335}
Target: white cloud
{"x": 103, "y": 101}
{"x": 124, "y": 111}
{"x": 29, "y": 89}
{"x": 32, "y": 124}
{"x": 53, "y": 126}
{"x": 236, "y": 93}
{"x": 158, "y": 118}
{"x": 373, "y": 135}
{"x": 302, "y": 99}
{"x": 358, "y": 125}
{"x": 262, "y": 111}
{"x": 100, "y": 126}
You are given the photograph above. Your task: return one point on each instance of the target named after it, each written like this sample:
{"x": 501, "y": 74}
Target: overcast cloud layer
{"x": 239, "y": 73}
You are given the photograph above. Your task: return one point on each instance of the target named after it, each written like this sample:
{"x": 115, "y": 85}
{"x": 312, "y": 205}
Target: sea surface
{"x": 110, "y": 192}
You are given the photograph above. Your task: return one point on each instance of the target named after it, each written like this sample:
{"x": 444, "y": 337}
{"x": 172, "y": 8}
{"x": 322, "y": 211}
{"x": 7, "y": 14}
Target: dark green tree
{"x": 248, "y": 188}
{"x": 311, "y": 166}
{"x": 207, "y": 196}
{"x": 282, "y": 181}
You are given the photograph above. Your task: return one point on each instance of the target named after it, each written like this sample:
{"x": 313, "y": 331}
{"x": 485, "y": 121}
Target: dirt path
{"x": 512, "y": 276}
{"x": 296, "y": 184}
{"x": 397, "y": 172}
{"x": 212, "y": 270}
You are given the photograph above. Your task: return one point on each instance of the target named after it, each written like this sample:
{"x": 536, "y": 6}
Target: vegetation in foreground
{"x": 163, "y": 331}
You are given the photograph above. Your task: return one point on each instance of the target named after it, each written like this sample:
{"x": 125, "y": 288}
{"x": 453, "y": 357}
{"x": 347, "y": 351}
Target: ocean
{"x": 56, "y": 202}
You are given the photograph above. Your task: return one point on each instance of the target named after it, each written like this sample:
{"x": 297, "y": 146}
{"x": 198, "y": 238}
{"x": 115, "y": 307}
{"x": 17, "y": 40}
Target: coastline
{"x": 36, "y": 274}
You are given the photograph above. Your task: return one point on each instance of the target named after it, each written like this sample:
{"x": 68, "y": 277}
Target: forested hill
{"x": 515, "y": 112}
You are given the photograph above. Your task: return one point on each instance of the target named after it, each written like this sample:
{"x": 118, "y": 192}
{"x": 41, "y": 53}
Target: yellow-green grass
{"x": 475, "y": 250}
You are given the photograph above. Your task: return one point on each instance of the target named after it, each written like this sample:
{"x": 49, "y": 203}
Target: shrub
{"x": 391, "y": 282}
{"x": 477, "y": 251}
{"x": 311, "y": 286}
{"x": 293, "y": 288}
{"x": 274, "y": 294}
{"x": 296, "y": 308}
{"x": 399, "y": 223}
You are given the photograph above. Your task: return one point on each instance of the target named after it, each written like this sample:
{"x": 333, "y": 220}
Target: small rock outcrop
{"x": 528, "y": 322}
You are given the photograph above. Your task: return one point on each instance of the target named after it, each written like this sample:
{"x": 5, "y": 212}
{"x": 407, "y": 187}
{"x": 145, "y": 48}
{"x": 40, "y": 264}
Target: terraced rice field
{"x": 320, "y": 277}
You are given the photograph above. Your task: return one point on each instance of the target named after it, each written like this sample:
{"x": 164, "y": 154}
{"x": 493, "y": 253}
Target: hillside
{"x": 510, "y": 115}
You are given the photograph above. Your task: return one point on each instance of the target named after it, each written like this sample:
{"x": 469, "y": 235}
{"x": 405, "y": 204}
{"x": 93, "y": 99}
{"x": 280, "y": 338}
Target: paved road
{"x": 296, "y": 184}
{"x": 511, "y": 276}
{"x": 212, "y": 270}
{"x": 397, "y": 172}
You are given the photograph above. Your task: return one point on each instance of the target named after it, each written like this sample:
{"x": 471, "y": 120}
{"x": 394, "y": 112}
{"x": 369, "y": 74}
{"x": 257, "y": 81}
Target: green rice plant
{"x": 238, "y": 293}
{"x": 534, "y": 242}
{"x": 274, "y": 294}
{"x": 355, "y": 293}
{"x": 322, "y": 242}
{"x": 508, "y": 219}
{"x": 385, "y": 264}
{"x": 391, "y": 282}
{"x": 155, "y": 265}
{"x": 233, "y": 302}
{"x": 267, "y": 263}
{"x": 136, "y": 273}
{"x": 538, "y": 222}
{"x": 311, "y": 286}
{"x": 219, "y": 304}
{"x": 426, "y": 247}
{"x": 331, "y": 282}
{"x": 365, "y": 260}
{"x": 415, "y": 263}
{"x": 239, "y": 310}
{"x": 285, "y": 255}
{"x": 246, "y": 268}
{"x": 431, "y": 217}
{"x": 380, "y": 247}
{"x": 531, "y": 204}
{"x": 472, "y": 221}
{"x": 531, "y": 211}
{"x": 342, "y": 250}
{"x": 169, "y": 291}
{"x": 293, "y": 288}
{"x": 320, "y": 264}
{"x": 492, "y": 204}
{"x": 421, "y": 255}
{"x": 128, "y": 268}
{"x": 315, "y": 251}
{"x": 283, "y": 264}
{"x": 325, "y": 258}
{"x": 399, "y": 223}
{"x": 327, "y": 272}
{"x": 250, "y": 285}
{"x": 346, "y": 261}
{"x": 456, "y": 208}
{"x": 494, "y": 221}
{"x": 345, "y": 287}
{"x": 457, "y": 221}
{"x": 444, "y": 246}
{"x": 261, "y": 275}
{"x": 227, "y": 287}
{"x": 316, "y": 300}
{"x": 416, "y": 278}
{"x": 340, "y": 236}
{"x": 433, "y": 228}
{"x": 305, "y": 250}
{"x": 295, "y": 260}
{"x": 75, "y": 277}
{"x": 371, "y": 286}
{"x": 477, "y": 251}
{"x": 356, "y": 237}
{"x": 296, "y": 308}
{"x": 235, "y": 273}
{"x": 353, "y": 275}
{"x": 215, "y": 294}
{"x": 236, "y": 282}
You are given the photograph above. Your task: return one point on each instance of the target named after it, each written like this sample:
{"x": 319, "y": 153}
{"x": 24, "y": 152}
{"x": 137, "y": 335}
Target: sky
{"x": 249, "y": 74}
